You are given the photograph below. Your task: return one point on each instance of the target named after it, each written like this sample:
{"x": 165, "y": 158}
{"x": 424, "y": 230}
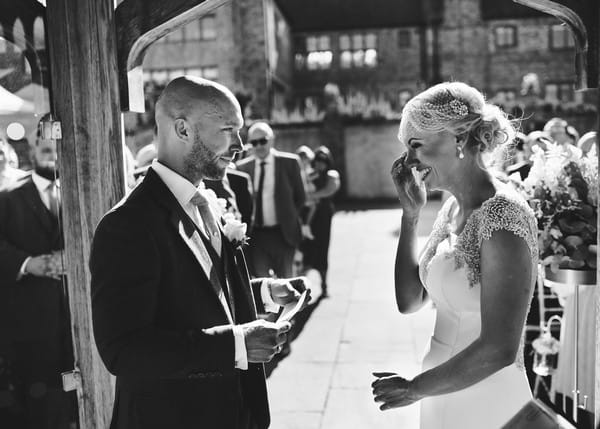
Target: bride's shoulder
{"x": 508, "y": 210}
{"x": 507, "y": 204}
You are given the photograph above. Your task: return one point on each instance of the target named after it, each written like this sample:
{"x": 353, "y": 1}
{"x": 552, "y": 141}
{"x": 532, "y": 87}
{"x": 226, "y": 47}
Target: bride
{"x": 478, "y": 265}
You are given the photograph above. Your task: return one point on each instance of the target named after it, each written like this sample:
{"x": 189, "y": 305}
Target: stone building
{"x": 280, "y": 54}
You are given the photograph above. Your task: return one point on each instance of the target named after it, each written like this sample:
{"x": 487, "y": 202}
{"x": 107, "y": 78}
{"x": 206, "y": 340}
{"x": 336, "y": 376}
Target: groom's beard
{"x": 49, "y": 173}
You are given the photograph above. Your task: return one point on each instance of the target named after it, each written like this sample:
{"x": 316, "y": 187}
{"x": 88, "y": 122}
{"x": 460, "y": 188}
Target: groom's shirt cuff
{"x": 241, "y": 355}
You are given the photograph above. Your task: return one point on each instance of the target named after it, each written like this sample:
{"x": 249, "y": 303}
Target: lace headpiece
{"x": 432, "y": 113}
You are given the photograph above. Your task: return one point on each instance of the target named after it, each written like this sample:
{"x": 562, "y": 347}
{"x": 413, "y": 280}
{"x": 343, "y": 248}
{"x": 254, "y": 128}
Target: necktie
{"x": 212, "y": 231}
{"x": 53, "y": 201}
{"x": 259, "y": 221}
{"x": 210, "y": 224}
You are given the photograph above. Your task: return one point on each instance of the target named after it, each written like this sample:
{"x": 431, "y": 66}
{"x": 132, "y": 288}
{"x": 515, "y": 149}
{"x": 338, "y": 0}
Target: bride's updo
{"x": 460, "y": 109}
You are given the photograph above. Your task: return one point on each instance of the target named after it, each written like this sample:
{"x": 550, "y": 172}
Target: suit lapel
{"x": 189, "y": 233}
{"x": 235, "y": 267}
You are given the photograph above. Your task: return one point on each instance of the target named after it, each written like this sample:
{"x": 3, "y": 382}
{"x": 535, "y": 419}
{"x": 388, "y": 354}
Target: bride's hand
{"x": 393, "y": 391}
{"x": 412, "y": 195}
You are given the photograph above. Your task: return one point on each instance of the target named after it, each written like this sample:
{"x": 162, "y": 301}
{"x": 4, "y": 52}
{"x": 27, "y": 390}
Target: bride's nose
{"x": 411, "y": 158}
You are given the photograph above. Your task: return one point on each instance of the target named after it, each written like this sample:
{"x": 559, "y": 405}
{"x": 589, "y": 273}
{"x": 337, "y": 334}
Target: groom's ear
{"x": 182, "y": 129}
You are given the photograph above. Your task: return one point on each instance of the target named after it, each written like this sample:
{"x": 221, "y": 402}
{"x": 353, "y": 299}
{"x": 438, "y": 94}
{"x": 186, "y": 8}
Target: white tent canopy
{"x": 11, "y": 103}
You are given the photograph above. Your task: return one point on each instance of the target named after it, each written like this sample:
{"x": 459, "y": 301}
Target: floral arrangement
{"x": 562, "y": 188}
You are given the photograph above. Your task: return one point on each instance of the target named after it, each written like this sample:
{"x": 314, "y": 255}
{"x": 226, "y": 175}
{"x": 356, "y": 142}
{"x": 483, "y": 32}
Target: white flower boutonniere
{"x": 234, "y": 230}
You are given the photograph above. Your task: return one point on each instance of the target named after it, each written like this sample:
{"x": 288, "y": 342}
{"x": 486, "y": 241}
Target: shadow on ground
{"x": 297, "y": 326}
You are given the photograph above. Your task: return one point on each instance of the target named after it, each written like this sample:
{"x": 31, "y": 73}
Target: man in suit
{"x": 236, "y": 189}
{"x": 278, "y": 199}
{"x": 172, "y": 304}
{"x": 35, "y": 338}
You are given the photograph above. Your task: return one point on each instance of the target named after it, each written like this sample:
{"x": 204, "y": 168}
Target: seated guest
{"x": 279, "y": 197}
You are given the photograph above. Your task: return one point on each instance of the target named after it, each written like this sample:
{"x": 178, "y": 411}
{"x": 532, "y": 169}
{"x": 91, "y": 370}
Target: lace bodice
{"x": 504, "y": 211}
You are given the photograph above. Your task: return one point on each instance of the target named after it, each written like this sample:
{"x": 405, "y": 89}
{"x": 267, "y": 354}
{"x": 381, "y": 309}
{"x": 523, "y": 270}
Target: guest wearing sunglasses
{"x": 278, "y": 199}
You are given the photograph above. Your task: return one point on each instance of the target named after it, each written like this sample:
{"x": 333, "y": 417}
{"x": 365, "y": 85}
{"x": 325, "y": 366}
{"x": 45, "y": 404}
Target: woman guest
{"x": 326, "y": 181}
{"x": 478, "y": 265}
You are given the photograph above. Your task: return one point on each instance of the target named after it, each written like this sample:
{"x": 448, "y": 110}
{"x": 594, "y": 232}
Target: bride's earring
{"x": 459, "y": 152}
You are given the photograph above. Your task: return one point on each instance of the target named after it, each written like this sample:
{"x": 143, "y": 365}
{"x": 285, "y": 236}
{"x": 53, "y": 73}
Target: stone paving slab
{"x": 325, "y": 382}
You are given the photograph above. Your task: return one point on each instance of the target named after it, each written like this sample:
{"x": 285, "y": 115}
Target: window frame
{"x": 515, "y": 39}
{"x": 566, "y": 37}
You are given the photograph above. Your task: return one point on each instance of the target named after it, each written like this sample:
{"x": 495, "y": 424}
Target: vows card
{"x": 290, "y": 310}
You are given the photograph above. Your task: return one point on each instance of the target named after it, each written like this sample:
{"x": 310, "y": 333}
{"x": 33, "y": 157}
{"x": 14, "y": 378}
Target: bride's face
{"x": 434, "y": 157}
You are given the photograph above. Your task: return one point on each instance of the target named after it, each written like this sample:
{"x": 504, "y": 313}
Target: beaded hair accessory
{"x": 432, "y": 113}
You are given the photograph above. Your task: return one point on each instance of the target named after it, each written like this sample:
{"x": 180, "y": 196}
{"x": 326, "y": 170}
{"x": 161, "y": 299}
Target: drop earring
{"x": 459, "y": 152}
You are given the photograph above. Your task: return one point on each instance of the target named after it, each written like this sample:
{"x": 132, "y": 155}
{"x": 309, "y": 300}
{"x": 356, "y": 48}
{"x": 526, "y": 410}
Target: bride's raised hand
{"x": 411, "y": 193}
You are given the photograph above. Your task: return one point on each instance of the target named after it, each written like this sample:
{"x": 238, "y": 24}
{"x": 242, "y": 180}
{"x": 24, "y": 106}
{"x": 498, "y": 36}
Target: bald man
{"x": 278, "y": 199}
{"x": 172, "y": 304}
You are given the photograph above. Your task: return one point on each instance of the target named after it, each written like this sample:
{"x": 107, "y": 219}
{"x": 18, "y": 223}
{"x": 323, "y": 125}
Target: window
{"x": 560, "y": 37}
{"x": 202, "y": 29}
{"x": 358, "y": 50}
{"x": 317, "y": 53}
{"x": 175, "y": 36}
{"x": 210, "y": 72}
{"x": 506, "y": 36}
{"x": 346, "y": 60}
{"x": 208, "y": 28}
{"x": 345, "y": 44}
{"x": 319, "y": 60}
{"x": 559, "y": 92}
{"x": 404, "y": 38}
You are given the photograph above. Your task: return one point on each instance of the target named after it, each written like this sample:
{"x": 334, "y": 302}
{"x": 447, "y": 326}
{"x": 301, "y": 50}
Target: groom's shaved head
{"x": 188, "y": 96}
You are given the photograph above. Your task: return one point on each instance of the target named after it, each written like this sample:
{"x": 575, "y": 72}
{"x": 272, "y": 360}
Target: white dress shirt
{"x": 184, "y": 190}
{"x": 268, "y": 190}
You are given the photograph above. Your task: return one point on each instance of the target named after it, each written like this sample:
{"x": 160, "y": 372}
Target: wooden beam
{"x": 83, "y": 63}
{"x": 582, "y": 19}
{"x": 139, "y": 23}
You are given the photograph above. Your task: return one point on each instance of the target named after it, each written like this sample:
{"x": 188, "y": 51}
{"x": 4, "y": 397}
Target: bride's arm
{"x": 410, "y": 293}
{"x": 506, "y": 270}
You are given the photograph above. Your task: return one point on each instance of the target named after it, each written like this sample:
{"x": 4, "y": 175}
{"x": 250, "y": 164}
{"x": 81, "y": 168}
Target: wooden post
{"x": 83, "y": 65}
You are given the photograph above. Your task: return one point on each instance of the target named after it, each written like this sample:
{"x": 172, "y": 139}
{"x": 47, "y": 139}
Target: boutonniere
{"x": 235, "y": 230}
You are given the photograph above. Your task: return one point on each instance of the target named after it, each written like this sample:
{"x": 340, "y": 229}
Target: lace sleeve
{"x": 502, "y": 212}
{"x": 509, "y": 214}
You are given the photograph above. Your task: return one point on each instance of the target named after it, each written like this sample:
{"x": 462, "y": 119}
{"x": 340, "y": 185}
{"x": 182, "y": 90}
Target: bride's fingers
{"x": 383, "y": 374}
{"x": 399, "y": 166}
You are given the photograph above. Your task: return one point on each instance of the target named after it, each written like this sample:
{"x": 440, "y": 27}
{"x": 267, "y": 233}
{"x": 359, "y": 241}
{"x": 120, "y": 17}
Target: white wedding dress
{"x": 449, "y": 269}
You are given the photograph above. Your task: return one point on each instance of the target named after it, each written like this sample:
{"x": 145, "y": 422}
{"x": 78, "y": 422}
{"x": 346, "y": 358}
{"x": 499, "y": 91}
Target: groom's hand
{"x": 286, "y": 291}
{"x": 264, "y": 339}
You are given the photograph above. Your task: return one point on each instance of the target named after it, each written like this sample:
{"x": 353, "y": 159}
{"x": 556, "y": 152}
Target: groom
{"x": 173, "y": 309}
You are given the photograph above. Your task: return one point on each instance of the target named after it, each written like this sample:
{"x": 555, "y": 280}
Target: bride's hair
{"x": 460, "y": 109}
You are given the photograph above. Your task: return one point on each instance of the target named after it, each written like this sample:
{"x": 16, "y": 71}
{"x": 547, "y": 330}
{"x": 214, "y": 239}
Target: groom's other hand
{"x": 286, "y": 291}
{"x": 264, "y": 339}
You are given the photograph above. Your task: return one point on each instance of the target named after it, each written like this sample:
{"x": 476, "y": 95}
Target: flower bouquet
{"x": 562, "y": 189}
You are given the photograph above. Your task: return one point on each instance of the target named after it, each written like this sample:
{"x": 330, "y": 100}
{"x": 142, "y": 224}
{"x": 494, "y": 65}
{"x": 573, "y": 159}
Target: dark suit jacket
{"x": 33, "y": 308}
{"x": 151, "y": 299}
{"x": 289, "y": 193}
{"x": 239, "y": 189}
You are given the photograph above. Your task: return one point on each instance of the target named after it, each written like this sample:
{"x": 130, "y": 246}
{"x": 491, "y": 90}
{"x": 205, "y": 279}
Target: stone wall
{"x": 370, "y": 149}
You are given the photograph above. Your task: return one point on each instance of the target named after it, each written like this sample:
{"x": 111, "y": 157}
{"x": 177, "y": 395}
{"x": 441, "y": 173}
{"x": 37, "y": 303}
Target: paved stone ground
{"x": 325, "y": 382}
